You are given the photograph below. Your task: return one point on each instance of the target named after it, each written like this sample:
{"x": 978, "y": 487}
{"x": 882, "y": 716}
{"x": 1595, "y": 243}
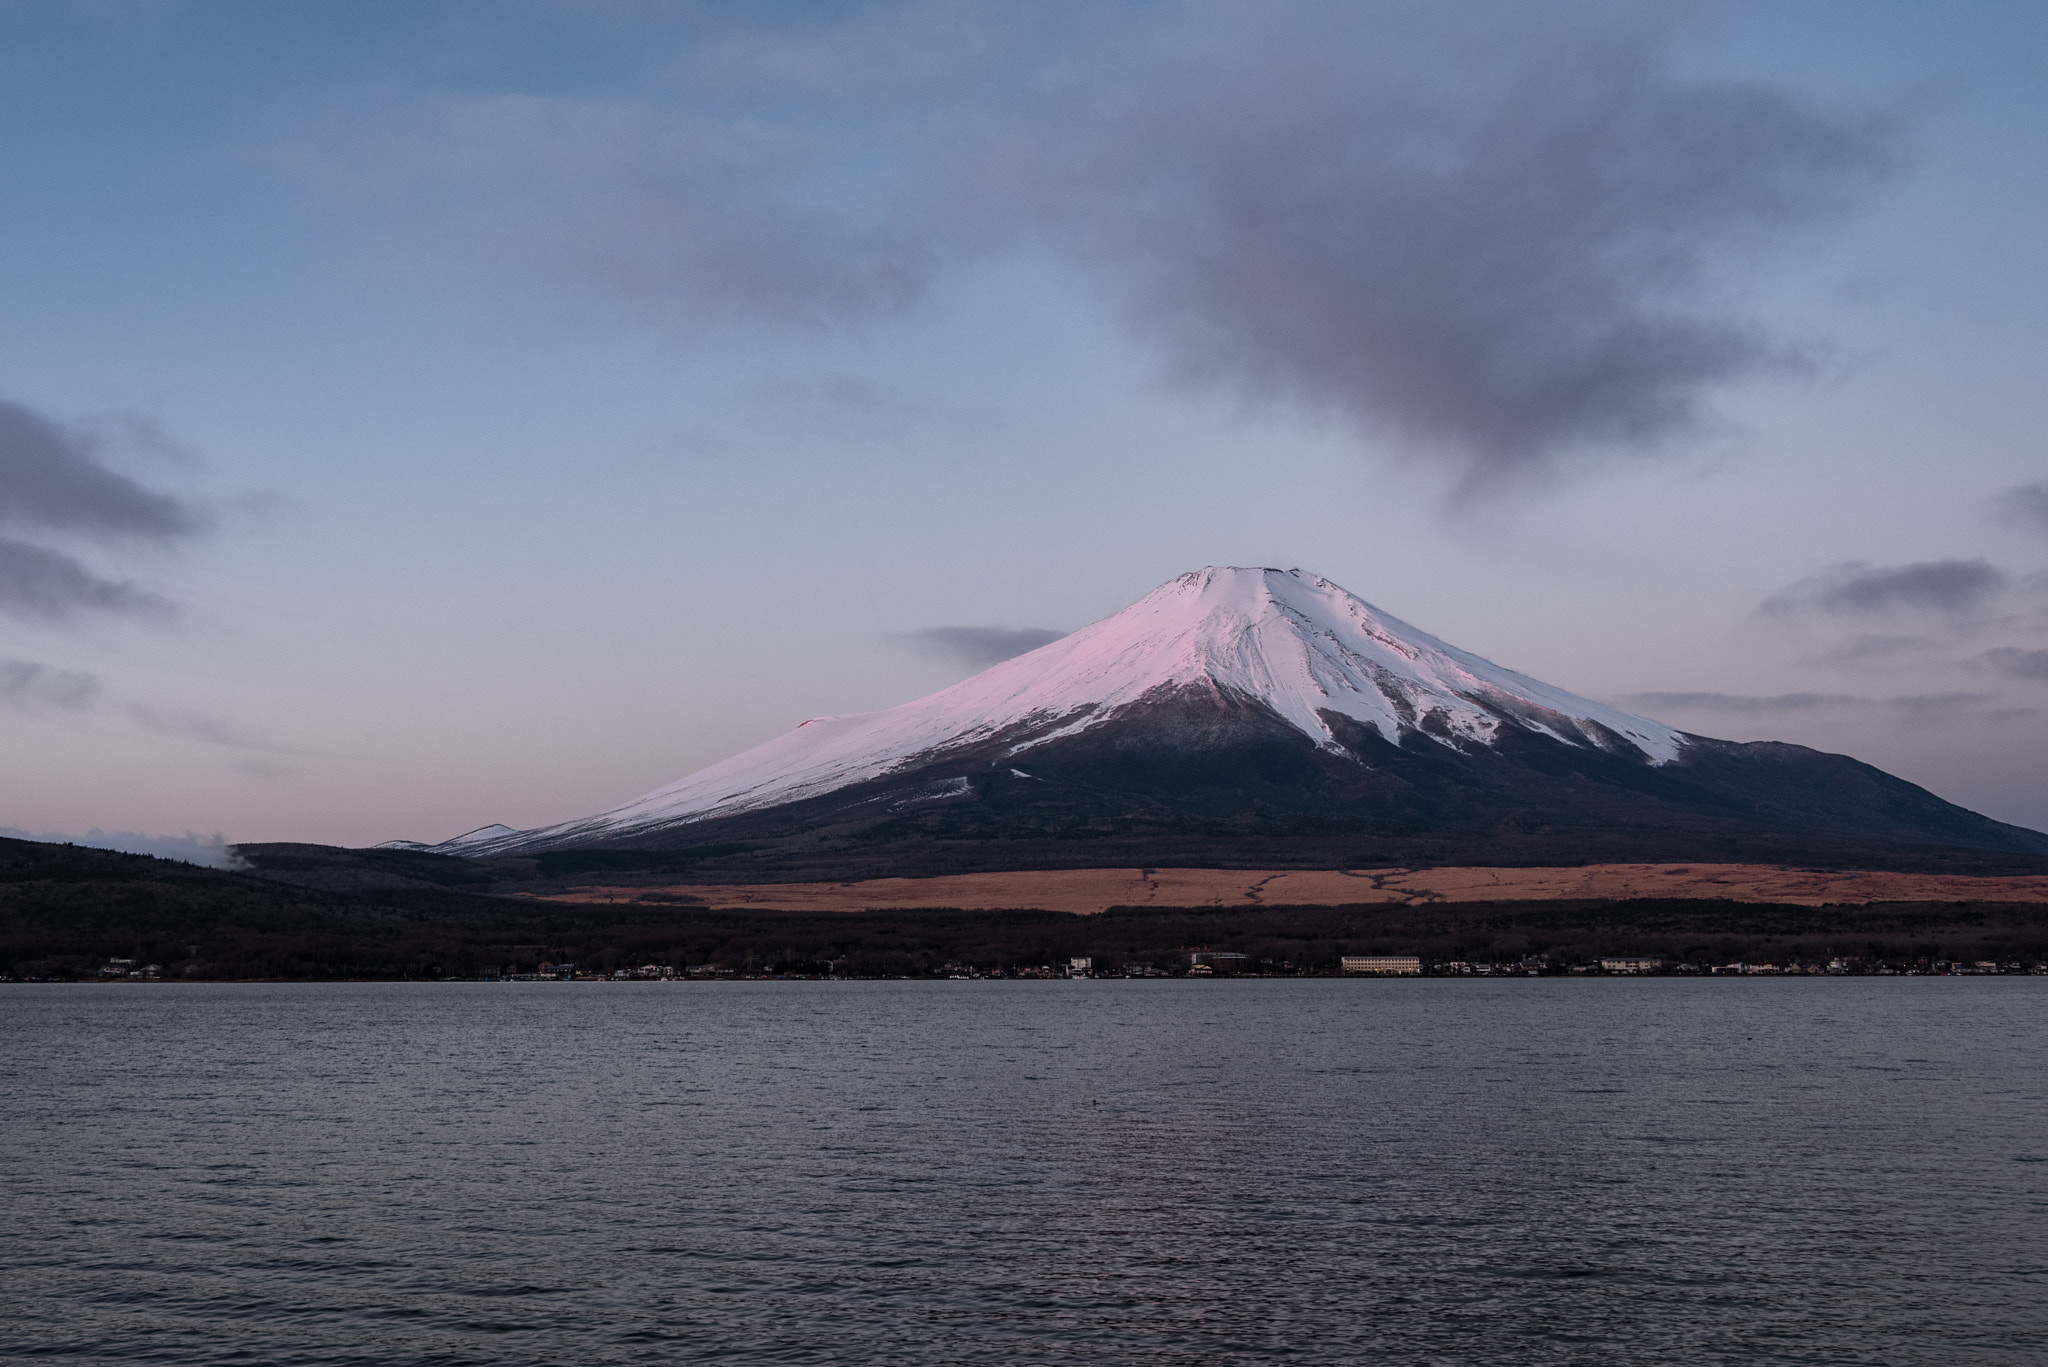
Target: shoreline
{"x": 1093, "y": 891}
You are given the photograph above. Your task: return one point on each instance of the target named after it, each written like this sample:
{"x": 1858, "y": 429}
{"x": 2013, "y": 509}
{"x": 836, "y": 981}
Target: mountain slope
{"x": 1297, "y": 644}
{"x": 1258, "y": 704}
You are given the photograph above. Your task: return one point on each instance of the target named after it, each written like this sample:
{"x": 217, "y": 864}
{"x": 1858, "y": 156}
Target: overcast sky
{"x": 420, "y": 415}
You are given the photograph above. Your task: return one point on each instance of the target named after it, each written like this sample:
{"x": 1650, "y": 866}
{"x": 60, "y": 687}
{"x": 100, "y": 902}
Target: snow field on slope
{"x": 1292, "y": 640}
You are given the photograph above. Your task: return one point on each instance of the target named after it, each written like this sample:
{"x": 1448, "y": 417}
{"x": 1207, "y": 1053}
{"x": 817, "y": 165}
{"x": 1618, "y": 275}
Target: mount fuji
{"x": 1262, "y": 716}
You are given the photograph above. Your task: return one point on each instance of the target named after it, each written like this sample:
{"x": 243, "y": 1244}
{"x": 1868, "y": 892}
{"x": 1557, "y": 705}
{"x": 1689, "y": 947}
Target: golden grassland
{"x": 1088, "y": 891}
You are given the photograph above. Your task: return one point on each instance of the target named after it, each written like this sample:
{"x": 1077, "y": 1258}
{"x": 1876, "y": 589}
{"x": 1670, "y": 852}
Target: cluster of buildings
{"x": 1203, "y": 963}
{"x": 1384, "y": 965}
{"x": 1413, "y": 965}
{"x": 1403, "y": 965}
{"x": 565, "y": 973}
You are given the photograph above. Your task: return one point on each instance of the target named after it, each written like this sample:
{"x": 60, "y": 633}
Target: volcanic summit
{"x": 1264, "y": 716}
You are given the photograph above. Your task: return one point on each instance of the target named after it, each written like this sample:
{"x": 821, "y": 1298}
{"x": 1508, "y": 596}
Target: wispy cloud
{"x": 204, "y": 727}
{"x": 915, "y": 49}
{"x": 1741, "y": 704}
{"x": 2026, "y": 504}
{"x": 673, "y": 218}
{"x": 1936, "y": 706}
{"x": 52, "y": 478}
{"x": 1865, "y": 650}
{"x": 979, "y": 647}
{"x": 53, "y": 482}
{"x": 1918, "y": 706}
{"x": 1505, "y": 236}
{"x": 31, "y": 686}
{"x": 2016, "y": 663}
{"x": 38, "y": 582}
{"x": 1501, "y": 232}
{"x": 1943, "y": 588}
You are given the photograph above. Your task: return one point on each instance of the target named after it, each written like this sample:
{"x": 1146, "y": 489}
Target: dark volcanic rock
{"x": 1217, "y": 780}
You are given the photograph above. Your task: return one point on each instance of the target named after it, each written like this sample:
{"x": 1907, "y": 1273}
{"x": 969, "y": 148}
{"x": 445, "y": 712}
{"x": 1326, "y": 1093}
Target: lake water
{"x": 1436, "y": 1171}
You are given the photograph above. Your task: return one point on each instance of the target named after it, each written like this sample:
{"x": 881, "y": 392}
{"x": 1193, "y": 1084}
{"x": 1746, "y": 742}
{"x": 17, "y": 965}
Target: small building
{"x": 1080, "y": 968}
{"x": 1381, "y": 963}
{"x": 1218, "y": 960}
{"x": 1632, "y": 963}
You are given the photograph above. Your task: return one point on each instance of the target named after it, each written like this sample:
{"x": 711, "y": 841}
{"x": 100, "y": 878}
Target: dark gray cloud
{"x": 37, "y": 582}
{"x": 1943, "y": 587}
{"x": 1506, "y": 234}
{"x": 980, "y": 647}
{"x": 1937, "y": 585}
{"x": 2016, "y": 663}
{"x": 29, "y": 685}
{"x": 52, "y": 479}
{"x": 52, "y": 482}
{"x": 2026, "y": 504}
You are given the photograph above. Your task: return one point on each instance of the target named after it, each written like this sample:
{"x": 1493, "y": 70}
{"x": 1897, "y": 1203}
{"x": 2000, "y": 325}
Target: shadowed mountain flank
{"x": 1268, "y": 718}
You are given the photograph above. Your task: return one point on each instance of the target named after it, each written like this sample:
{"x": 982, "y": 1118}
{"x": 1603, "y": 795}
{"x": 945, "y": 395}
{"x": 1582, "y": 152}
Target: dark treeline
{"x": 66, "y": 913}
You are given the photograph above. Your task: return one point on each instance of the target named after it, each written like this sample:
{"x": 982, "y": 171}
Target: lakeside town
{"x": 1223, "y": 963}
{"x": 1194, "y": 963}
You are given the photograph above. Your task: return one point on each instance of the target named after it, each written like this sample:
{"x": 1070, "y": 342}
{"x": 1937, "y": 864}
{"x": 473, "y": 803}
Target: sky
{"x": 421, "y": 415}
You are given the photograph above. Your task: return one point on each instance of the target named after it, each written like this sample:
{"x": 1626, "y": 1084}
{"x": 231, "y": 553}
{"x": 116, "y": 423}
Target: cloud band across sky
{"x": 1942, "y": 588}
{"x": 1502, "y": 242}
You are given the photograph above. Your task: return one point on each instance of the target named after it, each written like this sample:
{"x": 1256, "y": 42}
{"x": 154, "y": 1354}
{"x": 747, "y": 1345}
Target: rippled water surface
{"x": 1544, "y": 1171}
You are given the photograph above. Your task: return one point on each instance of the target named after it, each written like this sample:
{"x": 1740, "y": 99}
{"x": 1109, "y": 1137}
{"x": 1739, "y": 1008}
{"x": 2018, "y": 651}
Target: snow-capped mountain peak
{"x": 1287, "y": 641}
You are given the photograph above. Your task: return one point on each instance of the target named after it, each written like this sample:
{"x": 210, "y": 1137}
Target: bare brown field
{"x": 1088, "y": 891}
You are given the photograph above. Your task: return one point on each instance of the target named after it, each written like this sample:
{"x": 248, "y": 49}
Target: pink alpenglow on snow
{"x": 1291, "y": 641}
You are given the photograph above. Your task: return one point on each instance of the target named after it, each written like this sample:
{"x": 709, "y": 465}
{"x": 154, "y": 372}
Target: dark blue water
{"x": 1728, "y": 1171}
